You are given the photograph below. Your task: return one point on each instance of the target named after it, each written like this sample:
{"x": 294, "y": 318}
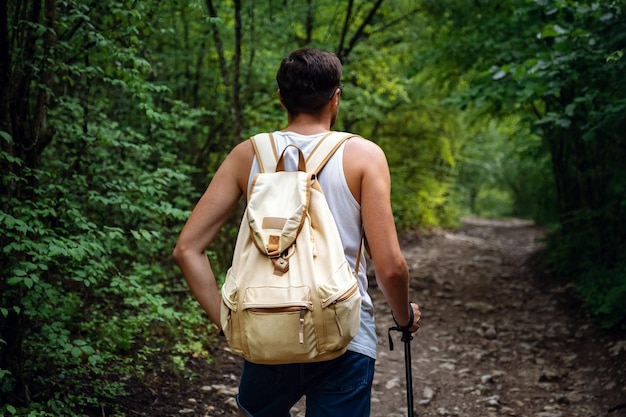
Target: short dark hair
{"x": 306, "y": 79}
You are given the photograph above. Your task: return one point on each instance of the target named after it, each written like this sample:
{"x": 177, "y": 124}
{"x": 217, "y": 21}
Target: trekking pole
{"x": 406, "y": 338}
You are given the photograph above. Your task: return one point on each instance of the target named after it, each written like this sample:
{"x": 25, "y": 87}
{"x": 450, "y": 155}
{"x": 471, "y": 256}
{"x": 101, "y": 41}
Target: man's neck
{"x": 306, "y": 124}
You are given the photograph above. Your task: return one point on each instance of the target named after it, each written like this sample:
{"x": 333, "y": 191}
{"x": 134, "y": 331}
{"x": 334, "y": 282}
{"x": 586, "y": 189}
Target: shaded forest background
{"x": 115, "y": 113}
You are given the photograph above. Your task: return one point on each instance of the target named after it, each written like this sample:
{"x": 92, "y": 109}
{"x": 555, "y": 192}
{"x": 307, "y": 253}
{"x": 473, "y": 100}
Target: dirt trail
{"x": 496, "y": 340}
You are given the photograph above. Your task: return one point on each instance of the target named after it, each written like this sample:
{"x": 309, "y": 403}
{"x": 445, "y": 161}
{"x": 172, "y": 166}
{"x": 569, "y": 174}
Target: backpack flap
{"x": 278, "y": 203}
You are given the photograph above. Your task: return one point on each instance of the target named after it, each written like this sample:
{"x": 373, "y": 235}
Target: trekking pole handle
{"x": 406, "y": 333}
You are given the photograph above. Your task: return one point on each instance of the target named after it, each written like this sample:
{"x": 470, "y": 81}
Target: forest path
{"x": 497, "y": 339}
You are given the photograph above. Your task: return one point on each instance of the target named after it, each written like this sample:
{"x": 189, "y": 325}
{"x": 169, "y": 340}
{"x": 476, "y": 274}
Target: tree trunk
{"x": 27, "y": 125}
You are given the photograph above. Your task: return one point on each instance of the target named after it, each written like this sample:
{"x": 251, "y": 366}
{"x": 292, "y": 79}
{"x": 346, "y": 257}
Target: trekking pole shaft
{"x": 409, "y": 376}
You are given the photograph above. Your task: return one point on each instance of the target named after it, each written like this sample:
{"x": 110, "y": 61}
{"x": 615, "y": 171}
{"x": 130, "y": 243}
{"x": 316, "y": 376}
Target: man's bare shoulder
{"x": 237, "y": 164}
{"x": 364, "y": 150}
{"x": 239, "y": 157}
{"x": 243, "y": 150}
{"x": 364, "y": 160}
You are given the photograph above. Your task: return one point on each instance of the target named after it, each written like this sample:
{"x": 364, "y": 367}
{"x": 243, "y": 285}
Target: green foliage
{"x": 605, "y": 292}
{"x": 515, "y": 180}
{"x": 88, "y": 226}
{"x": 386, "y": 100}
{"x": 422, "y": 184}
{"x": 557, "y": 66}
{"x": 88, "y": 254}
{"x": 581, "y": 252}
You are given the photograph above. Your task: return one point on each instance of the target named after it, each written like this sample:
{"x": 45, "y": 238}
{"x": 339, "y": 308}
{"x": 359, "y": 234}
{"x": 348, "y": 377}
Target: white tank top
{"x": 347, "y": 213}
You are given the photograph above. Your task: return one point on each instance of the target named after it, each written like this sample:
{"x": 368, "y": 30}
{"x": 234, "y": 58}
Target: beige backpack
{"x": 290, "y": 295}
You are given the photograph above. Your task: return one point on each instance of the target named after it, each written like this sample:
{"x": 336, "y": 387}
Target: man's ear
{"x": 334, "y": 102}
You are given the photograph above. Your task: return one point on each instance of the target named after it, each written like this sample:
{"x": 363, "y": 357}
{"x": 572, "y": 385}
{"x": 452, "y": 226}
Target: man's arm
{"x": 370, "y": 182}
{"x": 206, "y": 220}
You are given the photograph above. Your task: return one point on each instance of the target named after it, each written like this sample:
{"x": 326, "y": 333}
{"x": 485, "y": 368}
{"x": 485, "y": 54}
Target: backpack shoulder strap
{"x": 265, "y": 150}
{"x": 267, "y": 154}
{"x": 325, "y": 149}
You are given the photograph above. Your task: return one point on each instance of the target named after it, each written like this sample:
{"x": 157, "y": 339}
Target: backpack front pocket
{"x": 283, "y": 329}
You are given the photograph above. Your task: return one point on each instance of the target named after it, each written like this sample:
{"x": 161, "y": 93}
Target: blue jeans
{"x": 336, "y": 388}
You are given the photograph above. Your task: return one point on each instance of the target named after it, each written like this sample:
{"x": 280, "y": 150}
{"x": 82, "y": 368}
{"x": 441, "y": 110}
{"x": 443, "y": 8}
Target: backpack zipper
{"x": 230, "y": 324}
{"x": 301, "y": 327}
{"x": 344, "y": 297}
